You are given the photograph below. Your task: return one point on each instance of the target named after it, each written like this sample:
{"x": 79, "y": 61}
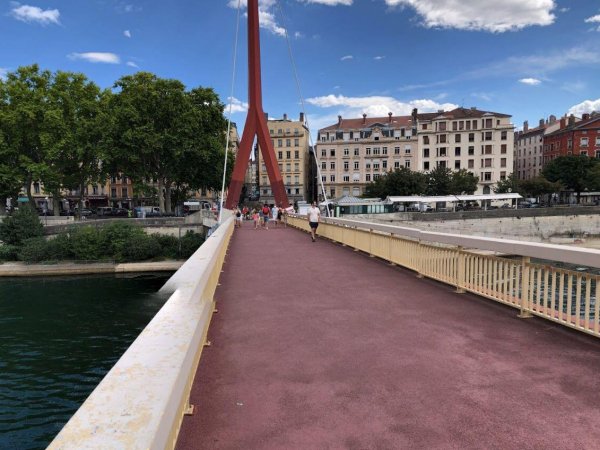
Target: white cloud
{"x": 132, "y": 64}
{"x": 26, "y": 13}
{"x": 376, "y": 106}
{"x": 96, "y": 57}
{"x": 487, "y": 15}
{"x": 586, "y": 106}
{"x": 378, "y": 58}
{"x": 482, "y": 96}
{"x": 530, "y": 81}
{"x": 298, "y": 35}
{"x": 329, "y": 2}
{"x": 593, "y": 19}
{"x": 3, "y": 72}
{"x": 267, "y": 21}
{"x": 346, "y": 58}
{"x": 127, "y": 33}
{"x": 236, "y": 105}
{"x": 574, "y": 86}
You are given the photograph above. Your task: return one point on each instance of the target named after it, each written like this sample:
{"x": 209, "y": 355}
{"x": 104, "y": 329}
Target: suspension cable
{"x": 297, "y": 79}
{"x": 237, "y": 30}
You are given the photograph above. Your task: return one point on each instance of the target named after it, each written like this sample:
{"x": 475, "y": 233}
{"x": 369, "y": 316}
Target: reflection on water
{"x": 59, "y": 337}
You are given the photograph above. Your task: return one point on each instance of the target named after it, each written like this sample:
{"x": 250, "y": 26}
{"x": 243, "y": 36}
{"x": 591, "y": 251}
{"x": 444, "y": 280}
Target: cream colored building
{"x": 529, "y": 143}
{"x": 291, "y": 143}
{"x": 354, "y": 152}
{"x": 479, "y": 141}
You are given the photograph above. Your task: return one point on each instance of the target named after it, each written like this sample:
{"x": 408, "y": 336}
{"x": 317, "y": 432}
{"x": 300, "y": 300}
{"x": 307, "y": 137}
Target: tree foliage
{"x": 463, "y": 182}
{"x": 439, "y": 181}
{"x": 573, "y": 172}
{"x": 538, "y": 186}
{"x": 401, "y": 181}
{"x": 22, "y": 225}
{"x": 509, "y": 184}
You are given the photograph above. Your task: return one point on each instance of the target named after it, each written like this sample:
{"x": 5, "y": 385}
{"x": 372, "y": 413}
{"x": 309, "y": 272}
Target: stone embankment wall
{"x": 535, "y": 225}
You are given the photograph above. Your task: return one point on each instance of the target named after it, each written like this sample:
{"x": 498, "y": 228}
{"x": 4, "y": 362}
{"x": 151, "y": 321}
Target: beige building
{"x": 354, "y": 152}
{"x": 529, "y": 143}
{"x": 478, "y": 141}
{"x": 291, "y": 143}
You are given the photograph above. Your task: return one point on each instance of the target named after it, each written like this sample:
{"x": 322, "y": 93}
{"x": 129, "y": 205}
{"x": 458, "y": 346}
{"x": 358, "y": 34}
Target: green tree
{"x": 23, "y": 97}
{"x": 573, "y": 172}
{"x": 79, "y": 122}
{"x": 22, "y": 225}
{"x": 163, "y": 132}
{"x": 538, "y": 186}
{"x": 439, "y": 181}
{"x": 509, "y": 184}
{"x": 401, "y": 181}
{"x": 463, "y": 182}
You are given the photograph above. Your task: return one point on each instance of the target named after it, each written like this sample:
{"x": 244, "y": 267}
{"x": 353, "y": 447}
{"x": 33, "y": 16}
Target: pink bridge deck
{"x": 319, "y": 347}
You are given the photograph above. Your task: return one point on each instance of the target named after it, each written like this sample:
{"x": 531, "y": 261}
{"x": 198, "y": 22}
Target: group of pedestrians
{"x": 261, "y": 216}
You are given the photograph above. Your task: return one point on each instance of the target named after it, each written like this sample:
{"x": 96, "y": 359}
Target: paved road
{"x": 319, "y": 347}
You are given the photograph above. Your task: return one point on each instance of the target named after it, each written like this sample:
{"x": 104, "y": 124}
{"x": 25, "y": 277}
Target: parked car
{"x": 85, "y": 212}
{"x": 120, "y": 212}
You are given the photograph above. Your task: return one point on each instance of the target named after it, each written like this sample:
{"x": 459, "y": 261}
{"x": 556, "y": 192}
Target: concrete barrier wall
{"x": 141, "y": 401}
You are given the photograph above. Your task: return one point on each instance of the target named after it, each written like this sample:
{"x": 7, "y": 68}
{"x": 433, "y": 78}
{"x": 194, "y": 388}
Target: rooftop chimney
{"x": 364, "y": 118}
{"x": 339, "y": 120}
{"x": 302, "y": 117}
{"x": 284, "y": 116}
{"x": 542, "y": 122}
{"x": 563, "y": 122}
{"x": 552, "y": 119}
{"x": 586, "y": 116}
{"x": 571, "y": 120}
{"x": 525, "y": 126}
{"x": 414, "y": 116}
{"x": 390, "y": 117}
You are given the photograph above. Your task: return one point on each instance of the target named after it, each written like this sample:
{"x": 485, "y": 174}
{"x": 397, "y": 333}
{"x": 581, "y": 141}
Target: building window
{"x": 471, "y": 150}
{"x": 332, "y": 192}
{"x": 456, "y": 151}
{"x": 487, "y": 150}
{"x": 332, "y": 152}
{"x": 442, "y": 126}
{"x": 503, "y": 149}
{"x": 471, "y": 164}
{"x": 288, "y": 142}
{"x": 113, "y": 192}
{"x": 347, "y": 178}
{"x": 502, "y": 162}
{"x": 296, "y": 167}
{"x": 426, "y": 140}
{"x": 95, "y": 190}
{"x": 356, "y": 152}
{"x": 279, "y": 155}
{"x": 279, "y": 142}
{"x": 297, "y": 154}
{"x": 487, "y": 136}
{"x": 296, "y": 179}
{"x": 425, "y": 153}
{"x": 396, "y": 150}
{"x": 323, "y": 166}
{"x": 487, "y": 176}
{"x": 375, "y": 165}
{"x": 288, "y": 167}
{"x": 442, "y": 151}
{"x": 296, "y": 142}
{"x": 407, "y": 149}
{"x": 488, "y": 123}
{"x": 124, "y": 192}
{"x": 503, "y": 135}
{"x": 288, "y": 155}
{"x": 384, "y": 150}
{"x": 346, "y": 165}
{"x": 368, "y": 177}
{"x": 407, "y": 163}
{"x": 396, "y": 164}
{"x": 442, "y": 138}
{"x": 332, "y": 165}
{"x": 323, "y": 153}
{"x": 384, "y": 164}
{"x": 457, "y": 138}
{"x": 584, "y": 142}
{"x": 457, "y": 164}
{"x": 324, "y": 179}
{"x": 426, "y": 165}
{"x": 356, "y": 165}
{"x": 502, "y": 176}
{"x": 471, "y": 137}
{"x": 487, "y": 162}
{"x": 346, "y": 152}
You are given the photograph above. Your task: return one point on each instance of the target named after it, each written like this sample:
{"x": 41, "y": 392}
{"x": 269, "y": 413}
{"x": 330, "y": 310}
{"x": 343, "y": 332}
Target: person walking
{"x": 274, "y": 215}
{"x": 314, "y": 217}
{"x": 256, "y": 218}
{"x": 238, "y": 218}
{"x": 266, "y": 211}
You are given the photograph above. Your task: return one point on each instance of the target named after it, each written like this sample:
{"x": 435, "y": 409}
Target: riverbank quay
{"x": 18, "y": 269}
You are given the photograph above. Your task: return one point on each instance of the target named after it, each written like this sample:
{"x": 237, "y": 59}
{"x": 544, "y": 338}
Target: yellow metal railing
{"x": 567, "y": 297}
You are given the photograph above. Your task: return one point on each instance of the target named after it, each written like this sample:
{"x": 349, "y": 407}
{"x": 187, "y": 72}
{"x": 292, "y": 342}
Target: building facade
{"x": 574, "y": 137}
{"x": 467, "y": 138}
{"x": 529, "y": 144}
{"x": 291, "y": 144}
{"x": 354, "y": 152}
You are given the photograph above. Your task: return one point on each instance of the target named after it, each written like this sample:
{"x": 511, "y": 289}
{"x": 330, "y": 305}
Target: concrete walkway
{"x": 319, "y": 347}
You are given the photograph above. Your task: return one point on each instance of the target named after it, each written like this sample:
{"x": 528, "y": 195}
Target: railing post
{"x": 371, "y": 242}
{"x": 391, "y": 239}
{"x": 460, "y": 270}
{"x": 524, "y": 313}
{"x": 420, "y": 260}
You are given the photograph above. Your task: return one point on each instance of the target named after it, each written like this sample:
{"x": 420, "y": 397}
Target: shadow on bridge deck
{"x": 316, "y": 346}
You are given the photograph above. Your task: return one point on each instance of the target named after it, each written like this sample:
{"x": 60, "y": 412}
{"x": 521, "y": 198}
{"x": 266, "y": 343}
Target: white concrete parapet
{"x": 140, "y": 402}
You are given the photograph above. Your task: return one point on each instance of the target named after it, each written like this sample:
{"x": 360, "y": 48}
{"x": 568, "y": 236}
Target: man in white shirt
{"x": 314, "y": 217}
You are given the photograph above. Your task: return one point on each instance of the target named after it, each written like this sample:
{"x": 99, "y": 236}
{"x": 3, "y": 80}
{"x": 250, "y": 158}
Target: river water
{"x": 58, "y": 337}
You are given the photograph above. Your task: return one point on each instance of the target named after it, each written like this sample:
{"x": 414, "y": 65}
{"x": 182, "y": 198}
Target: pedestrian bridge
{"x": 372, "y": 337}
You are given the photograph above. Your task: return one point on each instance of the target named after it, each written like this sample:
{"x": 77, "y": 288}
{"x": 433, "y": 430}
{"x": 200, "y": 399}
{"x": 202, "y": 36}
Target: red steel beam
{"x": 256, "y": 124}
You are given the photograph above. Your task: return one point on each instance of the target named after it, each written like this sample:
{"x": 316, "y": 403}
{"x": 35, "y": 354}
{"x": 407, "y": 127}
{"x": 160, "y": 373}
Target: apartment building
{"x": 574, "y": 137}
{"x": 481, "y": 142}
{"x": 529, "y": 143}
{"x": 291, "y": 143}
{"x": 354, "y": 152}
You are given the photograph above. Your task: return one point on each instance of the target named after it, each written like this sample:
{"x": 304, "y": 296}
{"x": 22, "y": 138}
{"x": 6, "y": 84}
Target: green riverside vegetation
{"x": 23, "y": 240}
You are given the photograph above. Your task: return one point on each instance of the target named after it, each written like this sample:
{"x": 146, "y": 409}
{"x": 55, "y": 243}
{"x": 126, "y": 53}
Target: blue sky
{"x": 527, "y": 58}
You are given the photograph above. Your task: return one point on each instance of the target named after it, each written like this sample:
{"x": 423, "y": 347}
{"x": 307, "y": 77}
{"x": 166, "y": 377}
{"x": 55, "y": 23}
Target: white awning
{"x": 449, "y": 198}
